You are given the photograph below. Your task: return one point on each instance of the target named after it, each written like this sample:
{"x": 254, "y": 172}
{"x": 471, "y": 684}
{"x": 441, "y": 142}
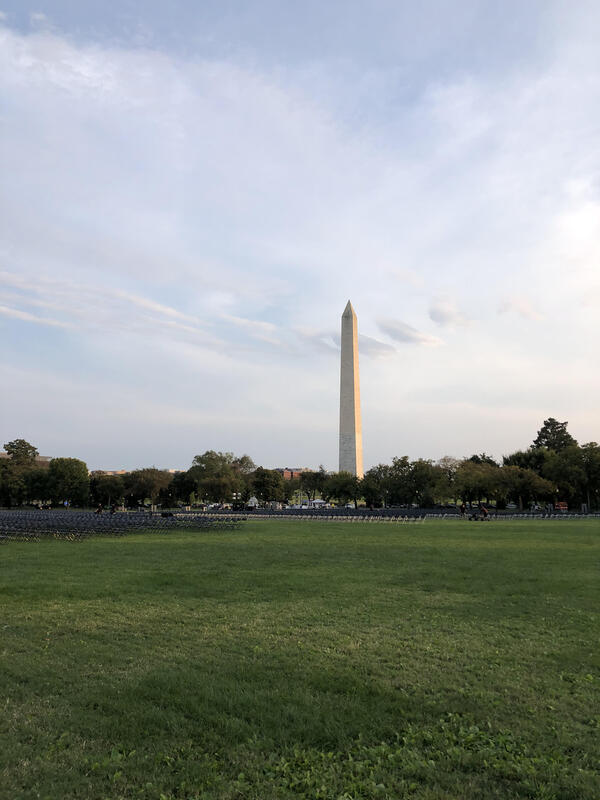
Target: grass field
{"x": 301, "y": 659}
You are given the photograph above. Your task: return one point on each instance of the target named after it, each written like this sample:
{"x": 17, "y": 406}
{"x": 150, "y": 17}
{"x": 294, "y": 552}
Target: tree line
{"x": 553, "y": 468}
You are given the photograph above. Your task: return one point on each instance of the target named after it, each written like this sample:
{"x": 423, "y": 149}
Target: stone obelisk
{"x": 351, "y": 449}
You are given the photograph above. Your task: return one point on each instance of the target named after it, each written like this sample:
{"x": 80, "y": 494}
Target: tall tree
{"x": 145, "y": 484}
{"x": 68, "y": 480}
{"x": 37, "y": 485}
{"x": 445, "y": 485}
{"x": 217, "y": 476}
{"x": 400, "y": 488}
{"x": 554, "y": 435}
{"x": 106, "y": 489}
{"x": 483, "y": 458}
{"x": 566, "y": 469}
{"x": 475, "y": 482}
{"x": 213, "y": 463}
{"x": 243, "y": 464}
{"x": 591, "y": 464}
{"x": 343, "y": 486}
{"x": 183, "y": 486}
{"x": 312, "y": 482}
{"x": 535, "y": 458}
{"x": 216, "y": 488}
{"x": 524, "y": 485}
{"x": 289, "y": 489}
{"x": 424, "y": 476}
{"x": 268, "y": 484}
{"x": 15, "y": 472}
{"x": 21, "y": 451}
{"x": 13, "y": 485}
{"x": 375, "y": 487}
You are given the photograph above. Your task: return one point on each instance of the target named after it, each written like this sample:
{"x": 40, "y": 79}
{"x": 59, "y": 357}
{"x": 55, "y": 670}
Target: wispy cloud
{"x": 521, "y": 306}
{"x": 25, "y": 316}
{"x": 445, "y": 312}
{"x": 135, "y": 216}
{"x": 374, "y": 348}
{"x": 408, "y": 276}
{"x": 406, "y": 334}
{"x": 327, "y": 341}
{"x": 85, "y": 306}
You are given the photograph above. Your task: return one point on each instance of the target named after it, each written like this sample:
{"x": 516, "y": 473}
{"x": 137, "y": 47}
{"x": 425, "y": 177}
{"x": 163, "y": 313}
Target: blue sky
{"x": 192, "y": 191}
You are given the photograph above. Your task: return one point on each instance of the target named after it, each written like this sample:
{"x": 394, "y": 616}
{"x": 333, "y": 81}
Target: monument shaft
{"x": 351, "y": 449}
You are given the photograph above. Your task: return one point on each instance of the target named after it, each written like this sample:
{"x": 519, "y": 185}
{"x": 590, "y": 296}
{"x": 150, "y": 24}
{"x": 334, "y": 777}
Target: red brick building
{"x": 288, "y": 473}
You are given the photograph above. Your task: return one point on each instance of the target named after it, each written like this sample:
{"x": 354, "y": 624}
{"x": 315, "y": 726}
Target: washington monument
{"x": 351, "y": 449}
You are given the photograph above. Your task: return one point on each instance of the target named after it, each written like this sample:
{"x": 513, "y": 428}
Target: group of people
{"x": 477, "y": 514}
{"x": 100, "y": 509}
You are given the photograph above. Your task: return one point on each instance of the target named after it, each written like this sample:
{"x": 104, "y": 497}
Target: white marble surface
{"x": 351, "y": 449}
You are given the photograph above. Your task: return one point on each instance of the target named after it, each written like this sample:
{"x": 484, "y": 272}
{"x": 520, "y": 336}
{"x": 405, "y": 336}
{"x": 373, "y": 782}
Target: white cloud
{"x": 25, "y": 316}
{"x": 406, "y": 334}
{"x": 97, "y": 308}
{"x": 38, "y": 18}
{"x": 408, "y": 276}
{"x": 374, "y": 348}
{"x": 520, "y": 306}
{"x": 445, "y": 312}
{"x": 216, "y": 213}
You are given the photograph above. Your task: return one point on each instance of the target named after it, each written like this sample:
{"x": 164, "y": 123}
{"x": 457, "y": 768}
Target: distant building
{"x": 110, "y": 472}
{"x": 289, "y": 473}
{"x": 41, "y": 461}
{"x": 126, "y": 471}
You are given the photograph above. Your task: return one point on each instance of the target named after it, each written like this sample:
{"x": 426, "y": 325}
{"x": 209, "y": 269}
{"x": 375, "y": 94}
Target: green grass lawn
{"x": 301, "y": 659}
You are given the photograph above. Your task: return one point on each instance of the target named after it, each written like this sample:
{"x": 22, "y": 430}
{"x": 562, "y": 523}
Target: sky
{"x": 191, "y": 192}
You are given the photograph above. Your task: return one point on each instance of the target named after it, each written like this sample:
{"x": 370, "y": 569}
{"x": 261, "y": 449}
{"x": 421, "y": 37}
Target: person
{"x": 484, "y": 513}
{"x": 463, "y": 509}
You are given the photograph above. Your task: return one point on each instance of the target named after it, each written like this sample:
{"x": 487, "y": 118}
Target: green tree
{"x": 475, "y": 482}
{"x": 212, "y": 462}
{"x": 216, "y": 488}
{"x": 375, "y": 487}
{"x": 183, "y": 487}
{"x": 68, "y": 480}
{"x": 14, "y": 472}
{"x": 554, "y": 435}
{"x": 218, "y": 475}
{"x": 289, "y": 489}
{"x": 37, "y": 485}
{"x": 445, "y": 485}
{"x": 13, "y": 485}
{"x": 483, "y": 458}
{"x": 400, "y": 486}
{"x": 344, "y": 487}
{"x": 167, "y": 496}
{"x": 535, "y": 459}
{"x": 424, "y": 476}
{"x": 591, "y": 464}
{"x": 312, "y": 482}
{"x": 566, "y": 468}
{"x": 524, "y": 486}
{"x": 145, "y": 484}
{"x": 268, "y": 485}
{"x": 21, "y": 451}
{"x": 243, "y": 465}
{"x": 106, "y": 489}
